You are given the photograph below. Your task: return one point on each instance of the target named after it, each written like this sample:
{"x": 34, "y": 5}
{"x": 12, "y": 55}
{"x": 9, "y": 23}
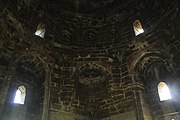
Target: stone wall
{"x": 125, "y": 116}
{"x": 67, "y": 116}
{"x": 106, "y": 73}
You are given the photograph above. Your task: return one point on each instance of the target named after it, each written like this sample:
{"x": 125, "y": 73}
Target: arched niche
{"x": 139, "y": 63}
{"x": 31, "y": 72}
{"x": 91, "y": 86}
{"x": 155, "y": 68}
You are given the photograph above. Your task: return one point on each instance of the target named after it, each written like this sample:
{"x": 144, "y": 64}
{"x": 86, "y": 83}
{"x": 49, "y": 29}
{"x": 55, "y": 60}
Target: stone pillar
{"x": 4, "y": 90}
{"x": 143, "y": 111}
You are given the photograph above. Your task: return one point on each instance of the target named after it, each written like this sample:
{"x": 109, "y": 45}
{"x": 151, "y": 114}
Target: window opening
{"x": 138, "y": 29}
{"x": 40, "y": 31}
{"x": 20, "y": 95}
{"x": 163, "y": 91}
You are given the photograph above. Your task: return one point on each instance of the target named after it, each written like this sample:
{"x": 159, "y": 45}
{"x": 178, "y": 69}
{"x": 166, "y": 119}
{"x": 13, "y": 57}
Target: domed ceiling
{"x": 78, "y": 6}
{"x": 90, "y": 23}
{"x": 84, "y": 6}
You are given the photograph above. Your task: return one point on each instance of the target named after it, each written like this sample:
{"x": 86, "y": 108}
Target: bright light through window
{"x": 40, "y": 33}
{"x": 163, "y": 91}
{"x": 20, "y": 95}
{"x": 40, "y": 30}
{"x": 138, "y": 29}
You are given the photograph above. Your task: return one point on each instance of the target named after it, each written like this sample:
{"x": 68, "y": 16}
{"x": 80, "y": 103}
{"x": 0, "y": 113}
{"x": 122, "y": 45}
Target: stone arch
{"x": 152, "y": 68}
{"x": 86, "y": 66}
{"x": 34, "y": 64}
{"x": 140, "y": 63}
{"x": 143, "y": 62}
{"x": 92, "y": 65}
{"x": 91, "y": 82}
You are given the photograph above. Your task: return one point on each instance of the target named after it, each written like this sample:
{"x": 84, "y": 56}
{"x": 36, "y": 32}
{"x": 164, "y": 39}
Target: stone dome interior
{"x": 89, "y": 59}
{"x": 85, "y": 23}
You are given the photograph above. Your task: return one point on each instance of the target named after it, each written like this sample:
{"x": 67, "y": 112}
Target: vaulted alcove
{"x": 157, "y": 79}
{"x": 28, "y": 76}
{"x": 92, "y": 86}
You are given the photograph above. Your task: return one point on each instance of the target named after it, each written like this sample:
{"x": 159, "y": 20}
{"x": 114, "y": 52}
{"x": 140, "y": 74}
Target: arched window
{"x": 163, "y": 91}
{"x": 138, "y": 29}
{"x": 20, "y": 95}
{"x": 40, "y": 31}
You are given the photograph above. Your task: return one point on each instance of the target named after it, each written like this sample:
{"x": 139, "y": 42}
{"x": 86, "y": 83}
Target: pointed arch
{"x": 137, "y": 26}
{"x": 36, "y": 64}
{"x": 163, "y": 91}
{"x": 20, "y": 95}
